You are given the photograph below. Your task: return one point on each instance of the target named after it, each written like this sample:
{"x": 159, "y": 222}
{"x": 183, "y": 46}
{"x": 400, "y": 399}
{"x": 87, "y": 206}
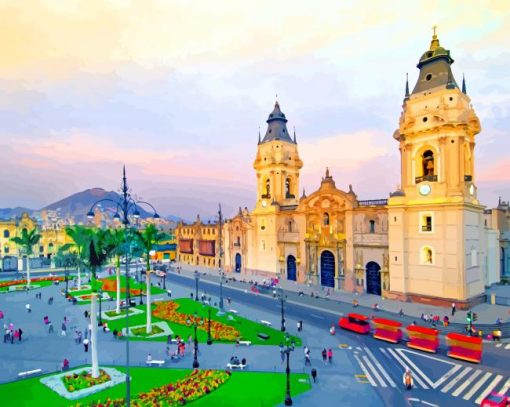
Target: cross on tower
{"x": 434, "y": 27}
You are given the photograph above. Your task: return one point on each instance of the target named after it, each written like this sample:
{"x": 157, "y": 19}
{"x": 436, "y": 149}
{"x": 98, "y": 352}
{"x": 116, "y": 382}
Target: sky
{"x": 177, "y": 91}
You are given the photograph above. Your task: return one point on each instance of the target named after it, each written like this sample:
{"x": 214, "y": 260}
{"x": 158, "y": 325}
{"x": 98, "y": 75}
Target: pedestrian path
{"x": 385, "y": 366}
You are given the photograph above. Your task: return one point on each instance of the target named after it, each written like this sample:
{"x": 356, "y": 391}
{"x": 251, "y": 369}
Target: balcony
{"x": 430, "y": 178}
{"x": 426, "y": 228}
{"x": 237, "y": 244}
{"x": 266, "y": 196}
{"x": 290, "y": 196}
{"x": 468, "y": 178}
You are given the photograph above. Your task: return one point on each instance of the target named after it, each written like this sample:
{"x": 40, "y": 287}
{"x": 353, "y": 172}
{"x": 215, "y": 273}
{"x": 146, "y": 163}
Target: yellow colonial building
{"x": 431, "y": 241}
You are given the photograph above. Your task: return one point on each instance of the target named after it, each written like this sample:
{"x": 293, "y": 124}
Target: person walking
{"x": 282, "y": 353}
{"x": 20, "y": 332}
{"x": 307, "y": 356}
{"x": 12, "y": 336}
{"x": 453, "y": 309}
{"x": 314, "y": 375}
{"x": 29, "y": 310}
{"x": 330, "y": 356}
{"x": 16, "y": 334}
{"x": 50, "y": 327}
{"x": 325, "y": 356}
{"x": 86, "y": 345}
{"x": 64, "y": 329}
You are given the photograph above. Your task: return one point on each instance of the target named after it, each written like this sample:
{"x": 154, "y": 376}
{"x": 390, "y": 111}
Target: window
{"x": 6, "y": 249}
{"x": 41, "y": 249}
{"x": 428, "y": 77}
{"x": 267, "y": 193}
{"x": 263, "y": 224}
{"x": 426, "y": 222}
{"x": 287, "y": 188}
{"x": 6, "y": 233}
{"x": 427, "y": 255}
{"x": 238, "y": 241}
{"x": 474, "y": 258}
{"x": 290, "y": 226}
{"x": 372, "y": 226}
{"x": 325, "y": 219}
{"x": 428, "y": 163}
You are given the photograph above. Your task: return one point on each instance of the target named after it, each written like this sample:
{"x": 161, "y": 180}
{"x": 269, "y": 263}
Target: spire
{"x": 295, "y": 142}
{"x": 259, "y": 135}
{"x": 464, "y": 84}
{"x": 434, "y": 44}
{"x": 407, "y": 87}
{"x": 276, "y": 126}
{"x": 327, "y": 172}
{"x": 304, "y": 194}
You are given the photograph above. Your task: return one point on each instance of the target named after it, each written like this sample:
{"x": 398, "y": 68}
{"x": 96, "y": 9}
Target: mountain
{"x": 79, "y": 204}
{"x": 8, "y": 213}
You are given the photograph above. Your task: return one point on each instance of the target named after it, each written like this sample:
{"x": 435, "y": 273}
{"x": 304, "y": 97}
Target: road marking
{"x": 357, "y": 347}
{"x": 362, "y": 366}
{"x": 317, "y": 316}
{"x": 374, "y": 371}
{"x": 450, "y": 385}
{"x": 429, "y": 404}
{"x": 498, "y": 345}
{"x": 505, "y": 387}
{"x": 416, "y": 377}
{"x": 385, "y": 374}
{"x": 507, "y": 346}
{"x": 460, "y": 389}
{"x": 416, "y": 368}
{"x": 361, "y": 378}
{"x": 489, "y": 388}
{"x": 477, "y": 386}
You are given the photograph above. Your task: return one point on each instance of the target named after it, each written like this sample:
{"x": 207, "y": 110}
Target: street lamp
{"x": 221, "y": 311}
{"x": 100, "y": 292}
{"x": 125, "y": 205}
{"x": 66, "y": 272}
{"x": 141, "y": 288}
{"x": 197, "y": 277}
{"x": 289, "y": 347}
{"x": 282, "y": 300}
{"x": 195, "y": 322}
{"x": 209, "y": 337}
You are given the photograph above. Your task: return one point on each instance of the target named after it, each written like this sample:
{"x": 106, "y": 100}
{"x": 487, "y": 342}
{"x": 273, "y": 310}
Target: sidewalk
{"x": 486, "y": 313}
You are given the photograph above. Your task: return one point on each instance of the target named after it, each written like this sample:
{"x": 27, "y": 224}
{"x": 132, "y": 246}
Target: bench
{"x": 263, "y": 336}
{"x": 239, "y": 366}
{"x": 29, "y": 372}
{"x": 156, "y": 362}
{"x": 244, "y": 343}
{"x": 266, "y": 323}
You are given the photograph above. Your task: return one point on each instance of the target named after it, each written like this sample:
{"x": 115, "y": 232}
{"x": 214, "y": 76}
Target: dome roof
{"x": 276, "y": 126}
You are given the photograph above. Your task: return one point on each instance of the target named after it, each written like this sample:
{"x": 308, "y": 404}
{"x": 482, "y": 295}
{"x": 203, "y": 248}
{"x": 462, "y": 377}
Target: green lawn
{"x": 133, "y": 285}
{"x": 62, "y": 284}
{"x": 248, "y": 329}
{"x": 243, "y": 388}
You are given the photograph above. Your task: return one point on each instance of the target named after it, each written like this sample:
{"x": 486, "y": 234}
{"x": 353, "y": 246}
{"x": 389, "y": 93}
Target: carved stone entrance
{"x": 327, "y": 269}
{"x": 291, "y": 268}
{"x": 373, "y": 278}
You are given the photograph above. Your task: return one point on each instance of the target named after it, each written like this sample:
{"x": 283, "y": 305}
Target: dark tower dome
{"x": 435, "y": 70}
{"x": 276, "y": 126}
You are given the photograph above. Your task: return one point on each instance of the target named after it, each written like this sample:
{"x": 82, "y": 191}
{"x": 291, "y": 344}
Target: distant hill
{"x": 8, "y": 213}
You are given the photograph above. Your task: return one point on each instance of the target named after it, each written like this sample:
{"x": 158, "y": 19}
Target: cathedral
{"x": 427, "y": 242}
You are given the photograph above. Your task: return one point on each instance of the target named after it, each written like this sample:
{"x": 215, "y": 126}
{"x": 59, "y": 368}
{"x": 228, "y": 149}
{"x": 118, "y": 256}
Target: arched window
{"x": 287, "y": 188}
{"x": 290, "y": 226}
{"x": 268, "y": 189}
{"x": 427, "y": 255}
{"x": 326, "y": 219}
{"x": 6, "y": 233}
{"x": 372, "y": 226}
{"x": 428, "y": 164}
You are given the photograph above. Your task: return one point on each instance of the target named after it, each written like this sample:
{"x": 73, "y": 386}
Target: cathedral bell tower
{"x": 277, "y": 164}
{"x": 435, "y": 219}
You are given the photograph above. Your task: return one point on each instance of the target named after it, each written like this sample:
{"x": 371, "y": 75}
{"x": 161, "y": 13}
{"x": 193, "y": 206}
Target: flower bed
{"x": 111, "y": 285}
{"x": 168, "y": 311}
{"x": 198, "y": 384}
{"x": 142, "y": 331}
{"x": 32, "y": 280}
{"x": 83, "y": 380}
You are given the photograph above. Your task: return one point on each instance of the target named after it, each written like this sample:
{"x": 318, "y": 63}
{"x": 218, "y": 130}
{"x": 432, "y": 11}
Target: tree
{"x": 117, "y": 241}
{"x": 27, "y": 242}
{"x": 96, "y": 252}
{"x": 148, "y": 238}
{"x": 80, "y": 236}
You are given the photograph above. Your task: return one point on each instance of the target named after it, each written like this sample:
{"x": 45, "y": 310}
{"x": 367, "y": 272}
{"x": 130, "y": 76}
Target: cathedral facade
{"x": 428, "y": 242}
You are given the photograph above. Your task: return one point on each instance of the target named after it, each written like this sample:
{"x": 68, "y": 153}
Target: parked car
{"x": 496, "y": 400}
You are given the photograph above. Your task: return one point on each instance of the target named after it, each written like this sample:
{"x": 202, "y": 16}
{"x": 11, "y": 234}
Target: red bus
{"x": 356, "y": 323}
{"x": 422, "y": 338}
{"x": 464, "y": 347}
{"x": 387, "y": 330}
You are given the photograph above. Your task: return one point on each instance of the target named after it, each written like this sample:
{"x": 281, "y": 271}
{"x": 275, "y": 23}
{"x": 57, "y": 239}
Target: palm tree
{"x": 96, "y": 254}
{"x": 27, "y": 242}
{"x": 117, "y": 241}
{"x": 80, "y": 236}
{"x": 148, "y": 238}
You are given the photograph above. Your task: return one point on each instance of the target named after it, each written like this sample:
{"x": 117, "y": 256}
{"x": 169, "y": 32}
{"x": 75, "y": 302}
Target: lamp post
{"x": 66, "y": 271}
{"x": 289, "y": 347}
{"x": 195, "y": 322}
{"x": 125, "y": 206}
{"x": 141, "y": 288}
{"x": 100, "y": 292}
{"x": 209, "y": 337}
{"x": 221, "y": 310}
{"x": 282, "y": 300}
{"x": 197, "y": 277}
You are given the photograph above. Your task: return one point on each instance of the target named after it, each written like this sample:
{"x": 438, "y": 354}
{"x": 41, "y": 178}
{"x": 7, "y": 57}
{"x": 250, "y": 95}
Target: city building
{"x": 431, "y": 241}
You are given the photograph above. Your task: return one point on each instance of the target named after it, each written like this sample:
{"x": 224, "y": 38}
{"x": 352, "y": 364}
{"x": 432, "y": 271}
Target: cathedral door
{"x": 291, "y": 268}
{"x": 327, "y": 269}
{"x": 373, "y": 278}
{"x": 238, "y": 263}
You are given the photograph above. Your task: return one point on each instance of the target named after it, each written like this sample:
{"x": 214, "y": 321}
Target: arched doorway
{"x": 373, "y": 271}
{"x": 327, "y": 269}
{"x": 291, "y": 268}
{"x": 238, "y": 263}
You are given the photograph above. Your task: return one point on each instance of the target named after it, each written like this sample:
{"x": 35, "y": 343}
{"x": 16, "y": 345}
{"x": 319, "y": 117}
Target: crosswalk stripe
{"x": 415, "y": 375}
{"x": 374, "y": 371}
{"x": 365, "y": 371}
{"x": 505, "y": 387}
{"x": 415, "y": 368}
{"x": 477, "y": 386}
{"x": 386, "y": 375}
{"x": 446, "y": 376}
{"x": 460, "y": 389}
{"x": 499, "y": 345}
{"x": 457, "y": 378}
{"x": 489, "y": 388}
{"x": 507, "y": 346}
